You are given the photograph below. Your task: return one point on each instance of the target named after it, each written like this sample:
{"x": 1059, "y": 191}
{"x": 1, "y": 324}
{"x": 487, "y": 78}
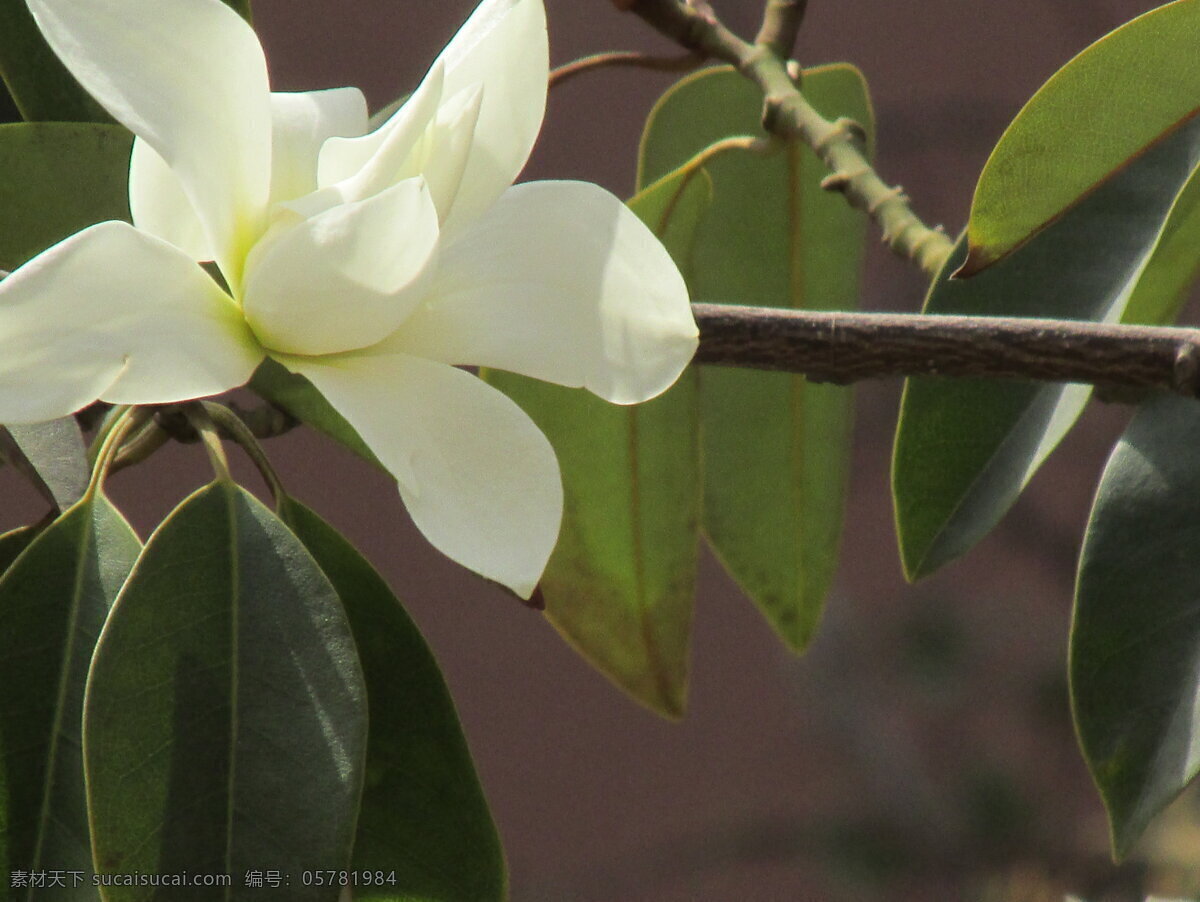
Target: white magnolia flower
{"x": 370, "y": 263}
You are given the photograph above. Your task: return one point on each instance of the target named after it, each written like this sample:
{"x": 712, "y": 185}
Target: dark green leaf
{"x": 53, "y": 602}
{"x": 295, "y": 394}
{"x": 13, "y": 542}
{"x": 41, "y": 86}
{"x": 225, "y": 721}
{"x": 56, "y": 454}
{"x": 965, "y": 449}
{"x": 776, "y": 448}
{"x": 1162, "y": 288}
{"x": 1131, "y": 89}
{"x": 621, "y": 581}
{"x": 8, "y": 107}
{"x": 55, "y": 179}
{"x": 423, "y": 813}
{"x": 1135, "y": 641}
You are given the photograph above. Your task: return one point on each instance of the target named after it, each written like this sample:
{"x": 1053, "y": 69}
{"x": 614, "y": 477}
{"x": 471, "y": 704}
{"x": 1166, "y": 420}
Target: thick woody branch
{"x": 787, "y": 114}
{"x": 848, "y": 347}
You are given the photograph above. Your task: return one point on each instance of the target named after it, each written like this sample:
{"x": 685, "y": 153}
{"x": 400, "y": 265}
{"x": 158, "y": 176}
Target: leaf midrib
{"x": 64, "y": 679}
{"x": 230, "y": 495}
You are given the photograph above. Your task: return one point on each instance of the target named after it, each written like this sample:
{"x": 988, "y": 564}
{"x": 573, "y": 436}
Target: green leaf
{"x": 1162, "y": 288}
{"x": 776, "y": 448}
{"x": 41, "y": 86}
{"x": 1097, "y": 115}
{"x": 423, "y": 813}
{"x": 964, "y": 448}
{"x": 299, "y": 397}
{"x": 13, "y": 542}
{"x": 1135, "y": 639}
{"x": 53, "y": 602}
{"x": 55, "y": 179}
{"x": 57, "y": 457}
{"x": 621, "y": 581}
{"x": 225, "y": 720}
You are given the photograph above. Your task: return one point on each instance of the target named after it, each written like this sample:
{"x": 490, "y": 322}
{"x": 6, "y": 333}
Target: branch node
{"x": 891, "y": 194}
{"x": 844, "y": 129}
{"x": 1185, "y": 375}
{"x": 841, "y": 181}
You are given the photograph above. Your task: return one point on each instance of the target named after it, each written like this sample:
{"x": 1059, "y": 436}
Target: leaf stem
{"x": 233, "y": 426}
{"x": 787, "y": 114}
{"x": 141, "y": 446}
{"x": 628, "y": 58}
{"x": 121, "y": 421}
{"x": 200, "y": 420}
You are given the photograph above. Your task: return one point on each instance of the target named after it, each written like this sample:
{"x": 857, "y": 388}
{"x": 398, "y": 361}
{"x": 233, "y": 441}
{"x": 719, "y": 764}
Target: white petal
{"x": 159, "y": 205}
{"x": 443, "y": 153}
{"x": 360, "y": 167}
{"x": 345, "y": 278}
{"x": 116, "y": 314}
{"x": 189, "y": 78}
{"x": 559, "y": 281}
{"x": 502, "y": 47}
{"x": 301, "y": 124}
{"x": 478, "y": 477}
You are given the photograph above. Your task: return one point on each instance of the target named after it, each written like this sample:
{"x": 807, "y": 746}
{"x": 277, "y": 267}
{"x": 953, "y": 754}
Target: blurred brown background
{"x": 923, "y": 748}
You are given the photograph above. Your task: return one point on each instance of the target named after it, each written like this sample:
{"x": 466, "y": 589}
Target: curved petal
{"x": 115, "y": 314}
{"x": 359, "y": 167}
{"x": 444, "y": 151}
{"x": 503, "y": 47}
{"x": 189, "y": 78}
{"x": 345, "y": 278}
{"x": 478, "y": 477}
{"x": 159, "y": 205}
{"x": 301, "y": 124}
{"x": 559, "y": 281}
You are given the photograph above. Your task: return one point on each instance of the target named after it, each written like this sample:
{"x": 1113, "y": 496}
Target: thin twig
{"x": 789, "y": 115}
{"x": 848, "y": 347}
{"x": 632, "y": 58}
{"x": 780, "y": 26}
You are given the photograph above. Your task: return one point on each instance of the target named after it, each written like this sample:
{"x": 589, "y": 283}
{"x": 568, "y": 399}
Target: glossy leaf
{"x": 225, "y": 719}
{"x": 423, "y": 813}
{"x": 620, "y": 584}
{"x": 55, "y": 179}
{"x": 1135, "y": 640}
{"x": 53, "y": 602}
{"x": 776, "y": 448}
{"x": 1098, "y": 114}
{"x": 1162, "y": 288}
{"x": 55, "y": 451}
{"x": 39, "y": 84}
{"x": 965, "y": 449}
{"x": 296, "y": 395}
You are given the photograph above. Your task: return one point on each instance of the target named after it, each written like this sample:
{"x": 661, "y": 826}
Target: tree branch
{"x": 848, "y": 347}
{"x": 789, "y": 115}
